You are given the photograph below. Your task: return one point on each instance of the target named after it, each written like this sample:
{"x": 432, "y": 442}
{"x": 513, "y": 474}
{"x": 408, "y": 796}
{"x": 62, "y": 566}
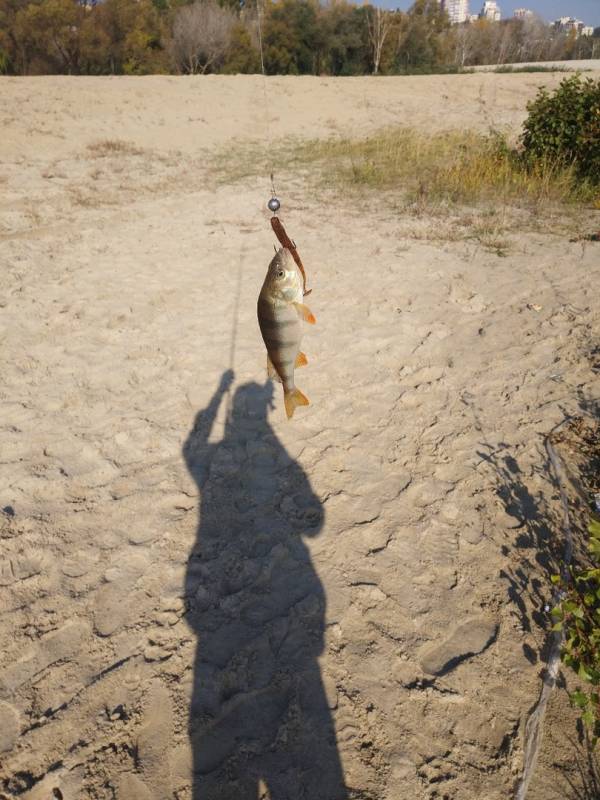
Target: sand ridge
{"x": 50, "y": 115}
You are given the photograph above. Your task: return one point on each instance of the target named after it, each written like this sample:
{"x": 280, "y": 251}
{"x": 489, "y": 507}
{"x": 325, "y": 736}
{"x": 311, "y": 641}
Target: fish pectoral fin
{"x": 301, "y": 360}
{"x": 292, "y": 400}
{"x": 305, "y": 313}
{"x": 271, "y": 371}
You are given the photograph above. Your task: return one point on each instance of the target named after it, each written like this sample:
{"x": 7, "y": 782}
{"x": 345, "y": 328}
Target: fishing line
{"x": 292, "y": 396}
{"x": 273, "y": 206}
{"x": 273, "y": 203}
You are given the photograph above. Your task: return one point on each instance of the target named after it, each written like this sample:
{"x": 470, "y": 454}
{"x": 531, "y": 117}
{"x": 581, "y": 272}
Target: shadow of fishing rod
{"x": 234, "y": 329}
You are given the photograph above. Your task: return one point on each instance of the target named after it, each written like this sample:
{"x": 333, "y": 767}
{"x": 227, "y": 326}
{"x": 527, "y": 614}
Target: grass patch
{"x": 434, "y": 69}
{"x": 503, "y": 68}
{"x": 441, "y": 169}
{"x": 490, "y": 237}
{"x": 113, "y": 147}
{"x": 476, "y": 184}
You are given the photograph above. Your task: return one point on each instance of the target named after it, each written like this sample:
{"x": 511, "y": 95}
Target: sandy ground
{"x": 201, "y": 600}
{"x": 56, "y": 117}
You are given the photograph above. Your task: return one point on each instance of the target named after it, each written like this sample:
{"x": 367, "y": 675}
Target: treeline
{"x": 136, "y": 37}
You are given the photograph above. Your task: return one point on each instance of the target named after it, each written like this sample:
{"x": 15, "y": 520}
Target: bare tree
{"x": 504, "y": 44}
{"x": 379, "y": 23}
{"x": 201, "y": 36}
{"x": 464, "y": 36}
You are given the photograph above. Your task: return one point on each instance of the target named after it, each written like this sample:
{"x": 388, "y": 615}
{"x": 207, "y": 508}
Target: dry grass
{"x": 113, "y": 147}
{"x": 442, "y": 169}
{"x": 491, "y": 236}
{"x": 84, "y": 199}
{"x": 460, "y": 172}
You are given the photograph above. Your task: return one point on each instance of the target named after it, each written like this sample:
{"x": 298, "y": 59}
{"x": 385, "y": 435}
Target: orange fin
{"x": 301, "y": 360}
{"x": 293, "y": 399}
{"x": 305, "y": 313}
{"x": 271, "y": 371}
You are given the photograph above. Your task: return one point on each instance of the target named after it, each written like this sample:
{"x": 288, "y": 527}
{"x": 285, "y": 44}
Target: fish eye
{"x": 280, "y": 273}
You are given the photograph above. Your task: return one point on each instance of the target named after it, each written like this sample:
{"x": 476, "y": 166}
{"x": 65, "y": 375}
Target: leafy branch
{"x": 577, "y": 616}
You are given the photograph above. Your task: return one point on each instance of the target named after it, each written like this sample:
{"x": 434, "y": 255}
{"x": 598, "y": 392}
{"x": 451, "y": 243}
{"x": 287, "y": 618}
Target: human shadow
{"x": 260, "y": 724}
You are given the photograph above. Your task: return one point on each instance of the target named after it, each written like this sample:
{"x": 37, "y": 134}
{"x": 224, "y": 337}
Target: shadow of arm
{"x": 195, "y": 449}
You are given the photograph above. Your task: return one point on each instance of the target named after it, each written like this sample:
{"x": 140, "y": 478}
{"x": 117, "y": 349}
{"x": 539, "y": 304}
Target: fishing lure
{"x": 285, "y": 241}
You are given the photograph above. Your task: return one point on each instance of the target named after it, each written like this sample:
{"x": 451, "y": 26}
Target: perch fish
{"x": 280, "y": 314}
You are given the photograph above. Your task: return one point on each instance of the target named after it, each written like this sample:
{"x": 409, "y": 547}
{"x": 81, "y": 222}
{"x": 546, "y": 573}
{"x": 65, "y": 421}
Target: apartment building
{"x": 490, "y": 11}
{"x": 522, "y": 13}
{"x": 457, "y": 10}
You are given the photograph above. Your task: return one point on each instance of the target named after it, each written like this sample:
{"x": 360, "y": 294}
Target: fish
{"x": 280, "y": 315}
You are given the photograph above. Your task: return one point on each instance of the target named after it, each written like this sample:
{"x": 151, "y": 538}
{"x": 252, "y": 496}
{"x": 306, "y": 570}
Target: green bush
{"x": 577, "y": 615}
{"x": 563, "y": 128}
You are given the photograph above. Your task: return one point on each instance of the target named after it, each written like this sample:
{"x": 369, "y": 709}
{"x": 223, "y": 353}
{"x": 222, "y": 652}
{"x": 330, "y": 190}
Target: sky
{"x": 586, "y": 10}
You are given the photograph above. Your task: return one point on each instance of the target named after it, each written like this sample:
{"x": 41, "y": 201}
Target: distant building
{"x": 523, "y": 13}
{"x": 490, "y": 11}
{"x": 565, "y": 24}
{"x": 457, "y": 10}
{"x": 572, "y": 25}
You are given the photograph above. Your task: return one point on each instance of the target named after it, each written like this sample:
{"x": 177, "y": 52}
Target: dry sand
{"x": 352, "y": 599}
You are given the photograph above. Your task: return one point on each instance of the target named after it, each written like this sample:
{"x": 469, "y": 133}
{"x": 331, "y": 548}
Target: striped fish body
{"x": 281, "y": 330}
{"x": 280, "y": 314}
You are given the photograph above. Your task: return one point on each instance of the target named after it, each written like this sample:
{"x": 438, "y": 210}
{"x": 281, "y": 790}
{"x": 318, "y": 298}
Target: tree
{"x": 95, "y": 44}
{"x": 136, "y": 35}
{"x": 345, "y": 32}
{"x": 462, "y": 38}
{"x": 536, "y": 39}
{"x": 51, "y": 30}
{"x": 242, "y": 56}
{"x": 420, "y": 35}
{"x": 482, "y": 46}
{"x": 14, "y": 52}
{"x": 202, "y": 35}
{"x": 293, "y": 42}
{"x": 379, "y": 24}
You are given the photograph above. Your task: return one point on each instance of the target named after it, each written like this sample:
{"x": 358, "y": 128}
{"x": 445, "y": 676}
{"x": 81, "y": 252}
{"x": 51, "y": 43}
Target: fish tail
{"x": 293, "y": 398}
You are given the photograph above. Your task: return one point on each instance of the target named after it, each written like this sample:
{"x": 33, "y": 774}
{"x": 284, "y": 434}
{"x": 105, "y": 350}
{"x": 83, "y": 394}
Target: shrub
{"x": 578, "y": 617}
{"x": 577, "y": 612}
{"x": 562, "y": 129}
